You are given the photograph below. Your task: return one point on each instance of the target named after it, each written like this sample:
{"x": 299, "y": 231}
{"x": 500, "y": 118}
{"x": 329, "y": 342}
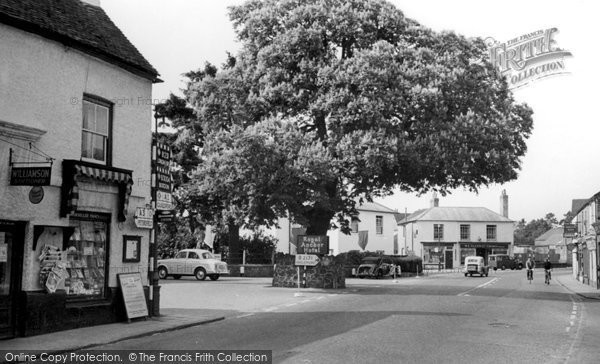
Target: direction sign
{"x": 144, "y": 218}
{"x": 307, "y": 259}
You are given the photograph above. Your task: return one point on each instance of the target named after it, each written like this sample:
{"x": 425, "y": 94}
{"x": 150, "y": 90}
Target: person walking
{"x": 547, "y": 270}
{"x": 530, "y": 264}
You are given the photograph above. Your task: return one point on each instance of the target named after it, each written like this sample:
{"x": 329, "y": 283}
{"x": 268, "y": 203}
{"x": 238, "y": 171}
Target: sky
{"x": 177, "y": 36}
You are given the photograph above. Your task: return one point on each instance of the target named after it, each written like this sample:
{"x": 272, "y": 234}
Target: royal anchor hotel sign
{"x": 529, "y": 57}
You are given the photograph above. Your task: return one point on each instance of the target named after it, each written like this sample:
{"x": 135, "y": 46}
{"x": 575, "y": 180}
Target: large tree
{"x": 333, "y": 101}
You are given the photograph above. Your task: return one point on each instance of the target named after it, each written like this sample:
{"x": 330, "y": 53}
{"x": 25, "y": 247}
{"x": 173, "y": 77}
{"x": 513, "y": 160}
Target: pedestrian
{"x": 530, "y": 264}
{"x": 548, "y": 269}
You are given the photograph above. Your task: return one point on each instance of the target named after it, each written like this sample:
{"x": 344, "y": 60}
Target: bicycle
{"x": 530, "y": 275}
{"x": 548, "y": 276}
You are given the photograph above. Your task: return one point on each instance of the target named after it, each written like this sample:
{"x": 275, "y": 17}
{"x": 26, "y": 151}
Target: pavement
{"x": 173, "y": 319}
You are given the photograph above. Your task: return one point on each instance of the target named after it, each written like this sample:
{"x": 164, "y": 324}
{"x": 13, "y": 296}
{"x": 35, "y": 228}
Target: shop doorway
{"x": 482, "y": 252}
{"x": 449, "y": 258}
{"x": 11, "y": 258}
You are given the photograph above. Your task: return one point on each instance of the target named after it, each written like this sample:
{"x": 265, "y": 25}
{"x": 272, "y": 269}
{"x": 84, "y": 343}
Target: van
{"x": 475, "y": 265}
{"x": 504, "y": 261}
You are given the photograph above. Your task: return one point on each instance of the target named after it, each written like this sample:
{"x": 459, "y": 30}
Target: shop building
{"x": 75, "y": 137}
{"x": 444, "y": 236}
{"x": 586, "y": 262}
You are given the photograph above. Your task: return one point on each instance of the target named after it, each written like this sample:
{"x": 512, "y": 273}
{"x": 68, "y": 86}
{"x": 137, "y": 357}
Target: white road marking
{"x": 291, "y": 304}
{"x": 268, "y": 309}
{"x": 568, "y": 328}
{"x": 246, "y": 315}
{"x": 480, "y": 286}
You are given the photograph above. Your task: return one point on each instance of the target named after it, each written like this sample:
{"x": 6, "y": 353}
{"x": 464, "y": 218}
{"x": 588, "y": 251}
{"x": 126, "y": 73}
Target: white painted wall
{"x": 41, "y": 85}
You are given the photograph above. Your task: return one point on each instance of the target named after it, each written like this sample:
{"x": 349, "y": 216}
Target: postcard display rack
{"x": 79, "y": 269}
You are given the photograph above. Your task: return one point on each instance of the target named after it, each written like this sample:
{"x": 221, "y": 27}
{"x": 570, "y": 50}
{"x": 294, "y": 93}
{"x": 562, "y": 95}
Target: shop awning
{"x": 74, "y": 170}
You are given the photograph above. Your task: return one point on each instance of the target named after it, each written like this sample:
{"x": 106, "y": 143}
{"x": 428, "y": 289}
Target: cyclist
{"x": 548, "y": 269}
{"x": 530, "y": 264}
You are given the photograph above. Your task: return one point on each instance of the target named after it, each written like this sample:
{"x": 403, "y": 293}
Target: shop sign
{"x": 483, "y": 245}
{"x": 569, "y": 230}
{"x": 90, "y": 216}
{"x": 30, "y": 176}
{"x": 144, "y": 218}
{"x": 313, "y": 244}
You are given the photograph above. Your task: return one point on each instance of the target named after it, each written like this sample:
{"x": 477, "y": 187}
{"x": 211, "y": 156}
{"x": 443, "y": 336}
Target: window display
{"x": 85, "y": 259}
{"x": 75, "y": 264}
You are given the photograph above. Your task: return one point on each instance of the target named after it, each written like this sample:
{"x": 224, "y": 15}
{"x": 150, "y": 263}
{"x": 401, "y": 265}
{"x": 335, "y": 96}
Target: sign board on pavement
{"x": 133, "y": 295}
{"x": 313, "y": 244}
{"x": 307, "y": 259}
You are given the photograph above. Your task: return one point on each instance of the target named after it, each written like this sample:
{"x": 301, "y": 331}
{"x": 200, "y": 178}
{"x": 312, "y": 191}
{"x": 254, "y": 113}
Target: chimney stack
{"x": 435, "y": 201}
{"x": 504, "y": 203}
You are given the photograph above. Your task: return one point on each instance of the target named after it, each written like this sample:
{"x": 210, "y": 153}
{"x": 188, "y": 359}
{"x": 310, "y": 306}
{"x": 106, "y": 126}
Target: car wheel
{"x": 470, "y": 274}
{"x": 486, "y": 274}
{"x": 200, "y": 274}
{"x": 214, "y": 277}
{"x": 503, "y": 267}
{"x": 176, "y": 276}
{"x": 162, "y": 273}
{"x": 495, "y": 268}
{"x": 466, "y": 274}
{"x": 520, "y": 266}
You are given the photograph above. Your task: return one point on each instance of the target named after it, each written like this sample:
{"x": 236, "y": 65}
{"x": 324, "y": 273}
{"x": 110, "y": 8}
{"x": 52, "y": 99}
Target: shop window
{"x": 74, "y": 258}
{"x": 95, "y": 135}
{"x": 379, "y": 225}
{"x": 491, "y": 232}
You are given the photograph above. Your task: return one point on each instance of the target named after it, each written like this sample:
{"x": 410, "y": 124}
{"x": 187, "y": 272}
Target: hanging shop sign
{"x": 313, "y": 244}
{"x": 30, "y": 176}
{"x": 569, "y": 230}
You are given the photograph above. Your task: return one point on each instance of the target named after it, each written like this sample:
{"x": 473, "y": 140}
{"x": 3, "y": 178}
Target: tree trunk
{"x": 235, "y": 252}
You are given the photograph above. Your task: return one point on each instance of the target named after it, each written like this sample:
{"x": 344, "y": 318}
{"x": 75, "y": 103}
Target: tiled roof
{"x": 553, "y": 236}
{"x": 457, "y": 214}
{"x": 78, "y": 25}
{"x": 578, "y": 204}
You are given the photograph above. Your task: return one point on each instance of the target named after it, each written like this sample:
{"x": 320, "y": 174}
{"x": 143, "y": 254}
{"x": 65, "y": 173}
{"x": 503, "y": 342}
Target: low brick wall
{"x": 326, "y": 274}
{"x": 251, "y": 270}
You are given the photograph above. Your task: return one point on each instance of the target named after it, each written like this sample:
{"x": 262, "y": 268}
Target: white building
{"x": 446, "y": 235}
{"x": 372, "y": 230}
{"x": 74, "y": 89}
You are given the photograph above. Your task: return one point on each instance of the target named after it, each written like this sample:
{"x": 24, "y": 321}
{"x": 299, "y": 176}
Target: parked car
{"x": 192, "y": 262}
{"x": 504, "y": 261}
{"x": 376, "y": 267}
{"x": 475, "y": 265}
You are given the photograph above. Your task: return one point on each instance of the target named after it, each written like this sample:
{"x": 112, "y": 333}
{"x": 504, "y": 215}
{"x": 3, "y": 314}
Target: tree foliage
{"x": 526, "y": 232}
{"x": 333, "y": 101}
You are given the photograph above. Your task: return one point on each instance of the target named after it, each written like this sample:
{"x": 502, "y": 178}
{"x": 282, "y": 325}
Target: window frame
{"x": 354, "y": 225}
{"x": 467, "y": 236}
{"x": 99, "y": 101}
{"x": 438, "y": 232}
{"x": 489, "y": 228}
{"x": 378, "y": 226}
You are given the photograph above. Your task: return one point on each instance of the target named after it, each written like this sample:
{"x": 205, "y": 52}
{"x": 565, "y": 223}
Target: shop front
{"x": 482, "y": 249}
{"x": 71, "y": 262}
{"x": 438, "y": 255}
{"x": 11, "y": 255}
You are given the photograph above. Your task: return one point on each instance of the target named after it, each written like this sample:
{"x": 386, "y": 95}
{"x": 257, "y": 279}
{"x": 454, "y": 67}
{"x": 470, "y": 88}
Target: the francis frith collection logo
{"x": 527, "y": 58}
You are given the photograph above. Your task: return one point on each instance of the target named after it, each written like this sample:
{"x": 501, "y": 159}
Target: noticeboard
{"x": 133, "y": 295}
{"x": 313, "y": 244}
